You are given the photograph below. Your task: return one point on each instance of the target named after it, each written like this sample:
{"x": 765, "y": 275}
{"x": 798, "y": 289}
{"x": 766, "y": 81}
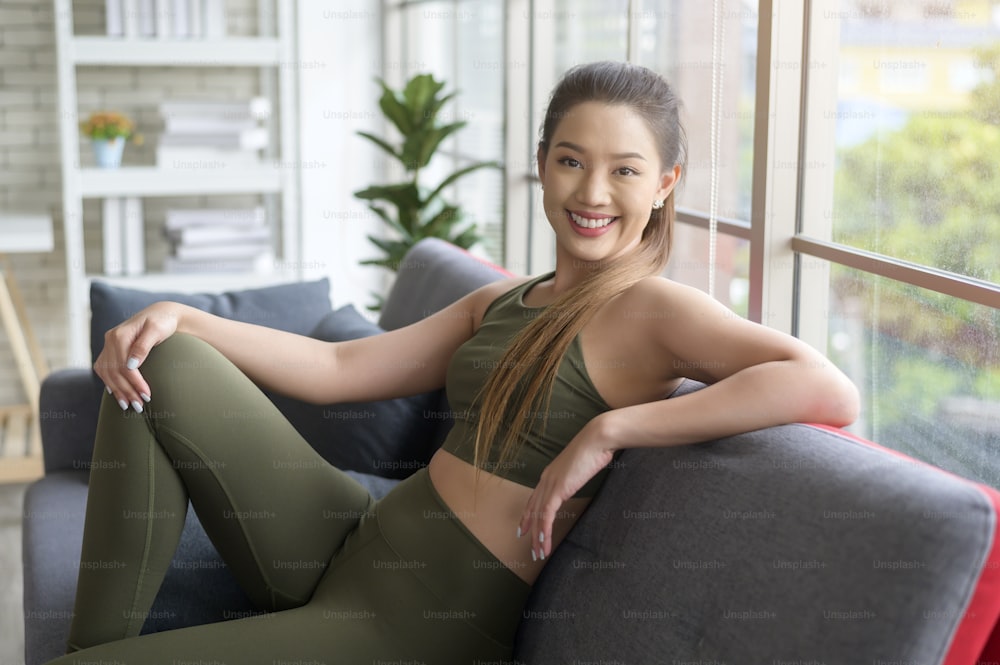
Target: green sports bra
{"x": 574, "y": 399}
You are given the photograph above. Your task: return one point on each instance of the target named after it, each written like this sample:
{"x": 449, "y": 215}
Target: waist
{"x": 526, "y": 466}
{"x": 491, "y": 507}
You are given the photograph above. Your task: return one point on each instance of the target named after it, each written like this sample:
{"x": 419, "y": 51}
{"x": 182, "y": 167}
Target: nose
{"x": 592, "y": 190}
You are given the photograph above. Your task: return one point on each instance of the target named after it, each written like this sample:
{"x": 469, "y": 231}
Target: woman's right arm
{"x": 400, "y": 362}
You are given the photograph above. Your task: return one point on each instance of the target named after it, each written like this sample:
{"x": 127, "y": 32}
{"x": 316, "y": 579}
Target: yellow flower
{"x": 109, "y": 125}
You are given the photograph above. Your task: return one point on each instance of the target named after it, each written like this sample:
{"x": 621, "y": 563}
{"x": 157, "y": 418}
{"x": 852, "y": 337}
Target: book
{"x": 256, "y": 108}
{"x": 114, "y": 21}
{"x": 133, "y": 236}
{"x": 213, "y": 19}
{"x": 179, "y": 16}
{"x": 180, "y": 218}
{"x": 189, "y": 124}
{"x": 215, "y": 234}
{"x": 255, "y": 138}
{"x": 235, "y": 250}
{"x": 111, "y": 237}
{"x": 146, "y": 18}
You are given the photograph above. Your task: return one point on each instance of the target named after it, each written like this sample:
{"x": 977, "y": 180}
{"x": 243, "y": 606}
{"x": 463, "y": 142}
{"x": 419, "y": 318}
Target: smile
{"x": 590, "y": 223}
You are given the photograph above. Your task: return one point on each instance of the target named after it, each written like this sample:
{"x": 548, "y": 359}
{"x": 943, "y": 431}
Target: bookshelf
{"x": 271, "y": 54}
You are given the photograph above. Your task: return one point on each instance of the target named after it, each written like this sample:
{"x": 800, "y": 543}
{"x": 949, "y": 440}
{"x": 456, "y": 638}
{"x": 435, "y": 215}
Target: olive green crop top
{"x": 574, "y": 399}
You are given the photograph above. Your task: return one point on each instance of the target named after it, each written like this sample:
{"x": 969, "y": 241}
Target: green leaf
{"x": 385, "y": 145}
{"x": 419, "y": 95}
{"x": 427, "y": 143}
{"x": 467, "y": 238}
{"x": 440, "y": 224}
{"x": 456, "y": 175}
{"x": 394, "y": 110}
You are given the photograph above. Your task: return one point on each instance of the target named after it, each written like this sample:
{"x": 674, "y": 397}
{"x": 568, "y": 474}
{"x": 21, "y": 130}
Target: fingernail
{"x": 108, "y": 388}
{"x": 145, "y": 397}
{"x": 137, "y": 405}
{"x": 123, "y": 404}
{"x": 533, "y": 557}
{"x": 518, "y": 532}
{"x": 541, "y": 537}
{"x": 132, "y": 363}
{"x": 542, "y": 553}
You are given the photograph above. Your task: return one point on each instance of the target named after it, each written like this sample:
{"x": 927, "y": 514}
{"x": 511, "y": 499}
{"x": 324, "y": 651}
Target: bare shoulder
{"x": 657, "y": 298}
{"x": 483, "y": 297}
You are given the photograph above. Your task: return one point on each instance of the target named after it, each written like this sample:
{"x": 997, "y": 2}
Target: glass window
{"x": 918, "y": 152}
{"x": 462, "y": 44}
{"x": 928, "y": 367}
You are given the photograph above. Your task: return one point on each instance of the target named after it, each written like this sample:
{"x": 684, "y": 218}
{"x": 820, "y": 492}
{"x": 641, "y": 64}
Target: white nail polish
{"x": 132, "y": 363}
{"x": 518, "y": 532}
{"x": 533, "y": 557}
{"x": 145, "y": 397}
{"x": 108, "y": 388}
{"x": 123, "y": 404}
{"x": 137, "y": 405}
{"x": 542, "y": 553}
{"x": 541, "y": 537}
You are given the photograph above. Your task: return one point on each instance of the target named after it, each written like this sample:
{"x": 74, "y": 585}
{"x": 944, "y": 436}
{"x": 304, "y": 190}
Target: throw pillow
{"x": 389, "y": 438}
{"x": 295, "y": 307}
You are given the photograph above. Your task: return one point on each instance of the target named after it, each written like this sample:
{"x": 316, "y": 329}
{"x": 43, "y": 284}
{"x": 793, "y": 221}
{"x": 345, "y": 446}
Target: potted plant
{"x": 108, "y": 131}
{"x": 413, "y": 209}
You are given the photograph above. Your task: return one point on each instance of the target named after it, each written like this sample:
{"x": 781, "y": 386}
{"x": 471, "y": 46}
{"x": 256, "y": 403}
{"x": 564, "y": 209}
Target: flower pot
{"x": 108, "y": 152}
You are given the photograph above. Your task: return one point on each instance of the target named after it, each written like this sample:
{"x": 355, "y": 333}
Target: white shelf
{"x": 270, "y": 54}
{"x": 232, "y": 51}
{"x": 152, "y": 181}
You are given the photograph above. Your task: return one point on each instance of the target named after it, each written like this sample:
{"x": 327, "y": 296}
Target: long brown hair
{"x": 536, "y": 352}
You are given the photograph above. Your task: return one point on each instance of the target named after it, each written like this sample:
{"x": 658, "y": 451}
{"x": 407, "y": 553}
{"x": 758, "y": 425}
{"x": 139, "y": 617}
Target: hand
{"x": 582, "y": 459}
{"x": 126, "y": 347}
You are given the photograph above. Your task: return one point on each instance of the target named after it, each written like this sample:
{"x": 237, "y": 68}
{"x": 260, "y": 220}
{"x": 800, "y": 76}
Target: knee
{"x": 179, "y": 356}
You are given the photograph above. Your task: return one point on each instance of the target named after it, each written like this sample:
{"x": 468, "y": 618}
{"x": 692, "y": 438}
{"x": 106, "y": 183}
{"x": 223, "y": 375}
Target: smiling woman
{"x": 552, "y": 376}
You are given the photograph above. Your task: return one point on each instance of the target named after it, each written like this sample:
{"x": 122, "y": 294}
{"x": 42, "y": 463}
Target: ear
{"x": 668, "y": 181}
{"x": 540, "y": 159}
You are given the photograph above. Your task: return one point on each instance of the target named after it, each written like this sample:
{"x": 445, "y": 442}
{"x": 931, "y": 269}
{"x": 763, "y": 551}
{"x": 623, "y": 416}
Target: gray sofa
{"x": 795, "y": 544}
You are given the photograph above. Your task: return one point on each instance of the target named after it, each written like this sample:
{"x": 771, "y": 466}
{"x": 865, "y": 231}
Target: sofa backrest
{"x": 433, "y": 275}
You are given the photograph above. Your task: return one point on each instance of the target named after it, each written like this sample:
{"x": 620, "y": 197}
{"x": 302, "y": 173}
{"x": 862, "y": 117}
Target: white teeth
{"x": 591, "y": 223}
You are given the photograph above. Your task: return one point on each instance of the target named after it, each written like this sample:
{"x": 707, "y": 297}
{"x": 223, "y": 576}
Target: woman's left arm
{"x": 757, "y": 377}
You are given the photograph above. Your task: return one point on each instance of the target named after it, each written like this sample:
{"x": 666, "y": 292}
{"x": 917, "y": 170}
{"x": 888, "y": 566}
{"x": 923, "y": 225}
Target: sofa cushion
{"x": 389, "y": 438}
{"x": 832, "y": 547}
{"x": 295, "y": 307}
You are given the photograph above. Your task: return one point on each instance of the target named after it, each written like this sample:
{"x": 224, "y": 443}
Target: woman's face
{"x": 600, "y": 177}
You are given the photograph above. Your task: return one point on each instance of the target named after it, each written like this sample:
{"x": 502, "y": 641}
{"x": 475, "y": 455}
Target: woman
{"x": 549, "y": 378}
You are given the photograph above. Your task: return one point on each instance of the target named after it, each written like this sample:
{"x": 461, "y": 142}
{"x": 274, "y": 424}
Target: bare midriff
{"x": 491, "y": 508}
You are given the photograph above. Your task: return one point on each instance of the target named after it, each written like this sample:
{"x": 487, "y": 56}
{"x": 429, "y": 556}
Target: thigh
{"x": 275, "y": 509}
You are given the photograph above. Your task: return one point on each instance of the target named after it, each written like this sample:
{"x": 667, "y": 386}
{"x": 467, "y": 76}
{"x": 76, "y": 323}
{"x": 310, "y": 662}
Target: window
{"x": 914, "y": 182}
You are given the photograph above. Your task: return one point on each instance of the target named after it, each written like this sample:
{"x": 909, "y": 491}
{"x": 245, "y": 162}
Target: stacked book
{"x": 218, "y": 240}
{"x": 208, "y": 135}
{"x": 123, "y": 236}
{"x": 180, "y": 19}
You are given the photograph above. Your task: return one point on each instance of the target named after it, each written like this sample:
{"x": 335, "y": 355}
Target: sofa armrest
{"x": 788, "y": 544}
{"x": 69, "y": 402}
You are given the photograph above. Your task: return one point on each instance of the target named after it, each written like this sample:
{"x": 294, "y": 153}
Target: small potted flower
{"x": 108, "y": 132}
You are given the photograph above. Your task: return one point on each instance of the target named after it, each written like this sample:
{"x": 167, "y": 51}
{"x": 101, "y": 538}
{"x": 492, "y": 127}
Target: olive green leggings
{"x": 344, "y": 579}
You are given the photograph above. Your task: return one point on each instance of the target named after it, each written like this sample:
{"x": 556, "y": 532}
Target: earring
{"x": 657, "y": 204}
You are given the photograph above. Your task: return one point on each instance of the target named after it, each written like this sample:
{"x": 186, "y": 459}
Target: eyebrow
{"x": 620, "y": 155}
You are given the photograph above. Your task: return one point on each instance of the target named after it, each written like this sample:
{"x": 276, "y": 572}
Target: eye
{"x": 626, "y": 170}
{"x": 570, "y": 162}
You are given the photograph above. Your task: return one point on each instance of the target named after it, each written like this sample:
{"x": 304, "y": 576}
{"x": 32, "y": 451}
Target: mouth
{"x": 590, "y": 220}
